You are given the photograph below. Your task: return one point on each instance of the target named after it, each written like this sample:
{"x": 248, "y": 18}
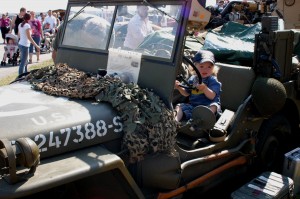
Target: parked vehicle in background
{"x": 251, "y": 12}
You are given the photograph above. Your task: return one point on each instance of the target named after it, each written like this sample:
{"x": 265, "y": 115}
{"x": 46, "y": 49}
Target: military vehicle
{"x": 100, "y": 124}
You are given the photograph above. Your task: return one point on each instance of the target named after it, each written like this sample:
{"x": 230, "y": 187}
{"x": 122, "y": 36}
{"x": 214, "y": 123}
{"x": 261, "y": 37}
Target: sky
{"x": 13, "y": 6}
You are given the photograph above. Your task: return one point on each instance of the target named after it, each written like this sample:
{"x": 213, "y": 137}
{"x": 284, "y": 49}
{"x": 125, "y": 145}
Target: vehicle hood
{"x": 56, "y": 124}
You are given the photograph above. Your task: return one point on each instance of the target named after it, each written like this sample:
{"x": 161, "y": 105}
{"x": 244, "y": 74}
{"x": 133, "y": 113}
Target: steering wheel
{"x": 181, "y": 78}
{"x": 156, "y": 49}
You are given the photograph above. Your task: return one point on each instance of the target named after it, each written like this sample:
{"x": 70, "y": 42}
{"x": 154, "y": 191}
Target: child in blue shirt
{"x": 207, "y": 93}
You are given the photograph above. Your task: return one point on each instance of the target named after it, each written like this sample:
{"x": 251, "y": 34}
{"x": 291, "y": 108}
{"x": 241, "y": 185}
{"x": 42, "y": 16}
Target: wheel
{"x": 272, "y": 141}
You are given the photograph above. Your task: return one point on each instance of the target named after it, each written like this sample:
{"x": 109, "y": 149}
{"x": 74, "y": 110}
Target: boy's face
{"x": 205, "y": 69}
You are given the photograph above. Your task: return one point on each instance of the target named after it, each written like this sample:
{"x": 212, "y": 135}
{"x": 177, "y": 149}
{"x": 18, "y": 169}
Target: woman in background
{"x": 37, "y": 35}
{"x": 24, "y": 43}
{"x": 5, "y": 26}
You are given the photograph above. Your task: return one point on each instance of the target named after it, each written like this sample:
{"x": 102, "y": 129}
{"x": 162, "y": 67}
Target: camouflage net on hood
{"x": 149, "y": 125}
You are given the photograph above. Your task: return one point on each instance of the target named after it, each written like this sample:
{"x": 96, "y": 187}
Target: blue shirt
{"x": 198, "y": 97}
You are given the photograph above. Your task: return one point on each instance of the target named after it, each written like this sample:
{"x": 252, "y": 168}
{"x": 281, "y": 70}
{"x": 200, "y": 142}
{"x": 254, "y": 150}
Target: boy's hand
{"x": 201, "y": 87}
{"x": 177, "y": 83}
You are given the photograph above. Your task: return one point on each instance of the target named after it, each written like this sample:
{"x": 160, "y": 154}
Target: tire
{"x": 272, "y": 143}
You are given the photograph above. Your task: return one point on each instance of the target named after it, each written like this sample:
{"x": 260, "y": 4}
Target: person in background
{"x": 219, "y": 7}
{"x": 226, "y": 2}
{"x": 138, "y": 28}
{"x": 155, "y": 18}
{"x": 10, "y": 49}
{"x": 5, "y": 26}
{"x": 51, "y": 20}
{"x": 62, "y": 17}
{"x": 37, "y": 35}
{"x": 57, "y": 37}
{"x": 14, "y": 25}
{"x": 48, "y": 34}
{"x": 24, "y": 42}
{"x": 41, "y": 18}
{"x": 234, "y": 15}
{"x": 56, "y": 42}
{"x": 207, "y": 93}
{"x": 57, "y": 19}
{"x": 58, "y": 16}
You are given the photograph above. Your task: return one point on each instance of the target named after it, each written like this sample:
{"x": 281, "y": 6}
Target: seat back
{"x": 236, "y": 84}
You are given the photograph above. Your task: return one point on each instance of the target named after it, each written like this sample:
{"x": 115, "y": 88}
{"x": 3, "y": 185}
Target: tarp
{"x": 234, "y": 43}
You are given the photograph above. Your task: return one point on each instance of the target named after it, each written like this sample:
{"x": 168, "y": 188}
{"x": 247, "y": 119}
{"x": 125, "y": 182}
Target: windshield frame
{"x": 113, "y": 22}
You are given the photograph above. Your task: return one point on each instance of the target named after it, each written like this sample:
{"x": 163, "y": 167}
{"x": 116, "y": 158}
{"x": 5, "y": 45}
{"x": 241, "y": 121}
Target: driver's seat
{"x": 236, "y": 82}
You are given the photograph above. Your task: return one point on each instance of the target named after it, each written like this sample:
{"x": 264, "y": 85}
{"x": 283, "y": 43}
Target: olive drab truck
{"x": 100, "y": 122}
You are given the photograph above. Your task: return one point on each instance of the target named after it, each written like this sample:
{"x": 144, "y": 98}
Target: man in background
{"x": 17, "y": 20}
{"x": 138, "y": 28}
{"x": 51, "y": 20}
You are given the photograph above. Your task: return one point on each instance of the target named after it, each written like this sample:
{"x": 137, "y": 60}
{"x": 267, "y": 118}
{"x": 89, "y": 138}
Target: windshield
{"x": 144, "y": 29}
{"x": 88, "y": 27}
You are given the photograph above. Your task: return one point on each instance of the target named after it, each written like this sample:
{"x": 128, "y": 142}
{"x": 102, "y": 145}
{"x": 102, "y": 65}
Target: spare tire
{"x": 269, "y": 95}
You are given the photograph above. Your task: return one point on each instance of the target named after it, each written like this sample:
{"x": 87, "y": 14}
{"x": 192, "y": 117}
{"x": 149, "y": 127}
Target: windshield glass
{"x": 88, "y": 27}
{"x": 145, "y": 29}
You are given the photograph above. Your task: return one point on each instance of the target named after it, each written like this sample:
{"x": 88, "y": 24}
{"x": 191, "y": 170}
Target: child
{"x": 207, "y": 93}
{"x": 11, "y": 48}
{"x": 48, "y": 35}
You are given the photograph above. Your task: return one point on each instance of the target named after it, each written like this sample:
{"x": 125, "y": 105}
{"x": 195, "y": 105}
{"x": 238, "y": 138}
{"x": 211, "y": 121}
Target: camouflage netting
{"x": 149, "y": 125}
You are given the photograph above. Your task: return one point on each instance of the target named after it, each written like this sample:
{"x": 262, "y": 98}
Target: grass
{"x": 10, "y": 78}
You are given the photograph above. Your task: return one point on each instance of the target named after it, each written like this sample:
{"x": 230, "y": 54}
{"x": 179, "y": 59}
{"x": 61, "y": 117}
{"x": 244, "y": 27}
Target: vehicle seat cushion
{"x": 236, "y": 82}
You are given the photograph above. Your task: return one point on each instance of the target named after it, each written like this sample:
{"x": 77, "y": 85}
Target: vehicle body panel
{"x": 70, "y": 167}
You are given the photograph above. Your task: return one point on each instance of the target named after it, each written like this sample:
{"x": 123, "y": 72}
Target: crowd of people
{"x": 34, "y": 33}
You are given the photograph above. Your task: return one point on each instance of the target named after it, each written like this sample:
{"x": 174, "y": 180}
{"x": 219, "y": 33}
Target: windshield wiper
{"x": 79, "y": 12}
{"x": 158, "y": 9}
